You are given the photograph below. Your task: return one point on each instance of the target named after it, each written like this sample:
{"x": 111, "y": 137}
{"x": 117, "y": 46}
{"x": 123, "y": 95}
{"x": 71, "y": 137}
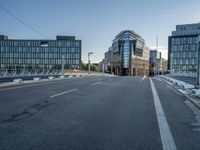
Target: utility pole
{"x": 62, "y": 65}
{"x": 89, "y": 53}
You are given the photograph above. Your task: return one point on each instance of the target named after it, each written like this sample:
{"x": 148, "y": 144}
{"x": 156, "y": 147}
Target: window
{"x": 44, "y": 44}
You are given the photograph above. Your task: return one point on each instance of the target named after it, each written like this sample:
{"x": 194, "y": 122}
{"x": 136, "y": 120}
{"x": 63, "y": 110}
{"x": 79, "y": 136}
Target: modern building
{"x": 105, "y": 64}
{"x": 155, "y": 62}
{"x": 40, "y": 54}
{"x": 164, "y": 66}
{"x": 183, "y": 46}
{"x": 129, "y": 55}
{"x": 158, "y": 65}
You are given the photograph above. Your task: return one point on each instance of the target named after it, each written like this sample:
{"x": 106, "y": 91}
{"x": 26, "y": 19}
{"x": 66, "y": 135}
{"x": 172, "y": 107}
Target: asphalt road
{"x": 96, "y": 113}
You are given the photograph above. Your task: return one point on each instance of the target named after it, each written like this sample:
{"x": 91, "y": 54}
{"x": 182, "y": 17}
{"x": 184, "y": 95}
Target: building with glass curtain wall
{"x": 155, "y": 62}
{"x": 183, "y": 48}
{"x": 40, "y": 54}
{"x": 130, "y": 55}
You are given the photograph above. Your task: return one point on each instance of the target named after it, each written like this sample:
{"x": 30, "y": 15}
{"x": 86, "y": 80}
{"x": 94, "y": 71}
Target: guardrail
{"x": 17, "y": 80}
{"x": 24, "y": 73}
{"x": 36, "y": 78}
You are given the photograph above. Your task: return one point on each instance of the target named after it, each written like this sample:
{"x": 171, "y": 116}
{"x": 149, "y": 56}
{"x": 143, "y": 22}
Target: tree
{"x": 95, "y": 68}
{"x": 84, "y": 66}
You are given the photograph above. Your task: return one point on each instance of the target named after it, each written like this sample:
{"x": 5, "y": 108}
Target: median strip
{"x": 63, "y": 93}
{"x": 165, "y": 133}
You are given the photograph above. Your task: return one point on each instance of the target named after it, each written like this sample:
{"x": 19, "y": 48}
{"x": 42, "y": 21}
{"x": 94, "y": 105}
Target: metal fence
{"x": 5, "y": 73}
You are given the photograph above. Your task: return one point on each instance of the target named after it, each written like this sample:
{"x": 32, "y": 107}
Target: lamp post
{"x": 89, "y": 53}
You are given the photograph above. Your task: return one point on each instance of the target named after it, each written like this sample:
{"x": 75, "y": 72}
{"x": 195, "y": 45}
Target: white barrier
{"x": 51, "y": 78}
{"x": 36, "y": 78}
{"x": 17, "y": 81}
{"x": 62, "y": 77}
{"x": 188, "y": 86}
{"x": 179, "y": 83}
{"x": 196, "y": 92}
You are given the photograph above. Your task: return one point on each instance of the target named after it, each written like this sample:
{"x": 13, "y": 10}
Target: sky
{"x": 97, "y": 22}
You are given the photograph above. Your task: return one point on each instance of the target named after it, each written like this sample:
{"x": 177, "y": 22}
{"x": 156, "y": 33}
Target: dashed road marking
{"x": 63, "y": 93}
{"x": 165, "y": 133}
{"x": 35, "y": 84}
{"x": 96, "y": 83}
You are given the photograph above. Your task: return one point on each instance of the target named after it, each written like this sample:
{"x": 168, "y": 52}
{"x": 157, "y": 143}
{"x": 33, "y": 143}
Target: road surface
{"x": 97, "y": 113}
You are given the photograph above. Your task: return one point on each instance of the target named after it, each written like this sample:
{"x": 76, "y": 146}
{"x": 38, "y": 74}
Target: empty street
{"x": 97, "y": 113}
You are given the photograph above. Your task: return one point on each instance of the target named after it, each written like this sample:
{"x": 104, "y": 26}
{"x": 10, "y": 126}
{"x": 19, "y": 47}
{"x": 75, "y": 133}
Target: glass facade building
{"x": 130, "y": 55}
{"x": 183, "y": 48}
{"x": 155, "y": 62}
{"x": 40, "y": 54}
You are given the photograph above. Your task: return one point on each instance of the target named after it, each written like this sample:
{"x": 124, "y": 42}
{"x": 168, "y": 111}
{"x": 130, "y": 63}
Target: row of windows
{"x": 39, "y": 61}
{"x": 39, "y": 49}
{"x": 184, "y": 68}
{"x": 39, "y": 55}
{"x": 40, "y": 67}
{"x": 189, "y": 40}
{"x": 126, "y": 52}
{"x": 181, "y": 61}
{"x": 192, "y": 47}
{"x": 139, "y": 44}
{"x": 25, "y": 43}
{"x": 184, "y": 54}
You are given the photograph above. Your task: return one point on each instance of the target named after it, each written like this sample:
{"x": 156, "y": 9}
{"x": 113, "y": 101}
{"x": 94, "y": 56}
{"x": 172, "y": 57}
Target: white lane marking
{"x": 165, "y": 133}
{"x": 30, "y": 85}
{"x": 63, "y": 93}
{"x": 96, "y": 83}
{"x": 24, "y": 86}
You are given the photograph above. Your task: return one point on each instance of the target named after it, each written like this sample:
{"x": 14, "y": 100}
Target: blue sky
{"x": 97, "y": 22}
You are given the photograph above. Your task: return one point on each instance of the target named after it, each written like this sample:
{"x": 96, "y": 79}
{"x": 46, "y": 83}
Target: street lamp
{"x": 89, "y": 53}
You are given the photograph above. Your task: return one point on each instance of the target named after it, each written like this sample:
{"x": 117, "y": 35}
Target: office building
{"x": 40, "y": 54}
{"x": 130, "y": 55}
{"x": 183, "y": 47}
{"x": 164, "y": 66}
{"x": 155, "y": 62}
